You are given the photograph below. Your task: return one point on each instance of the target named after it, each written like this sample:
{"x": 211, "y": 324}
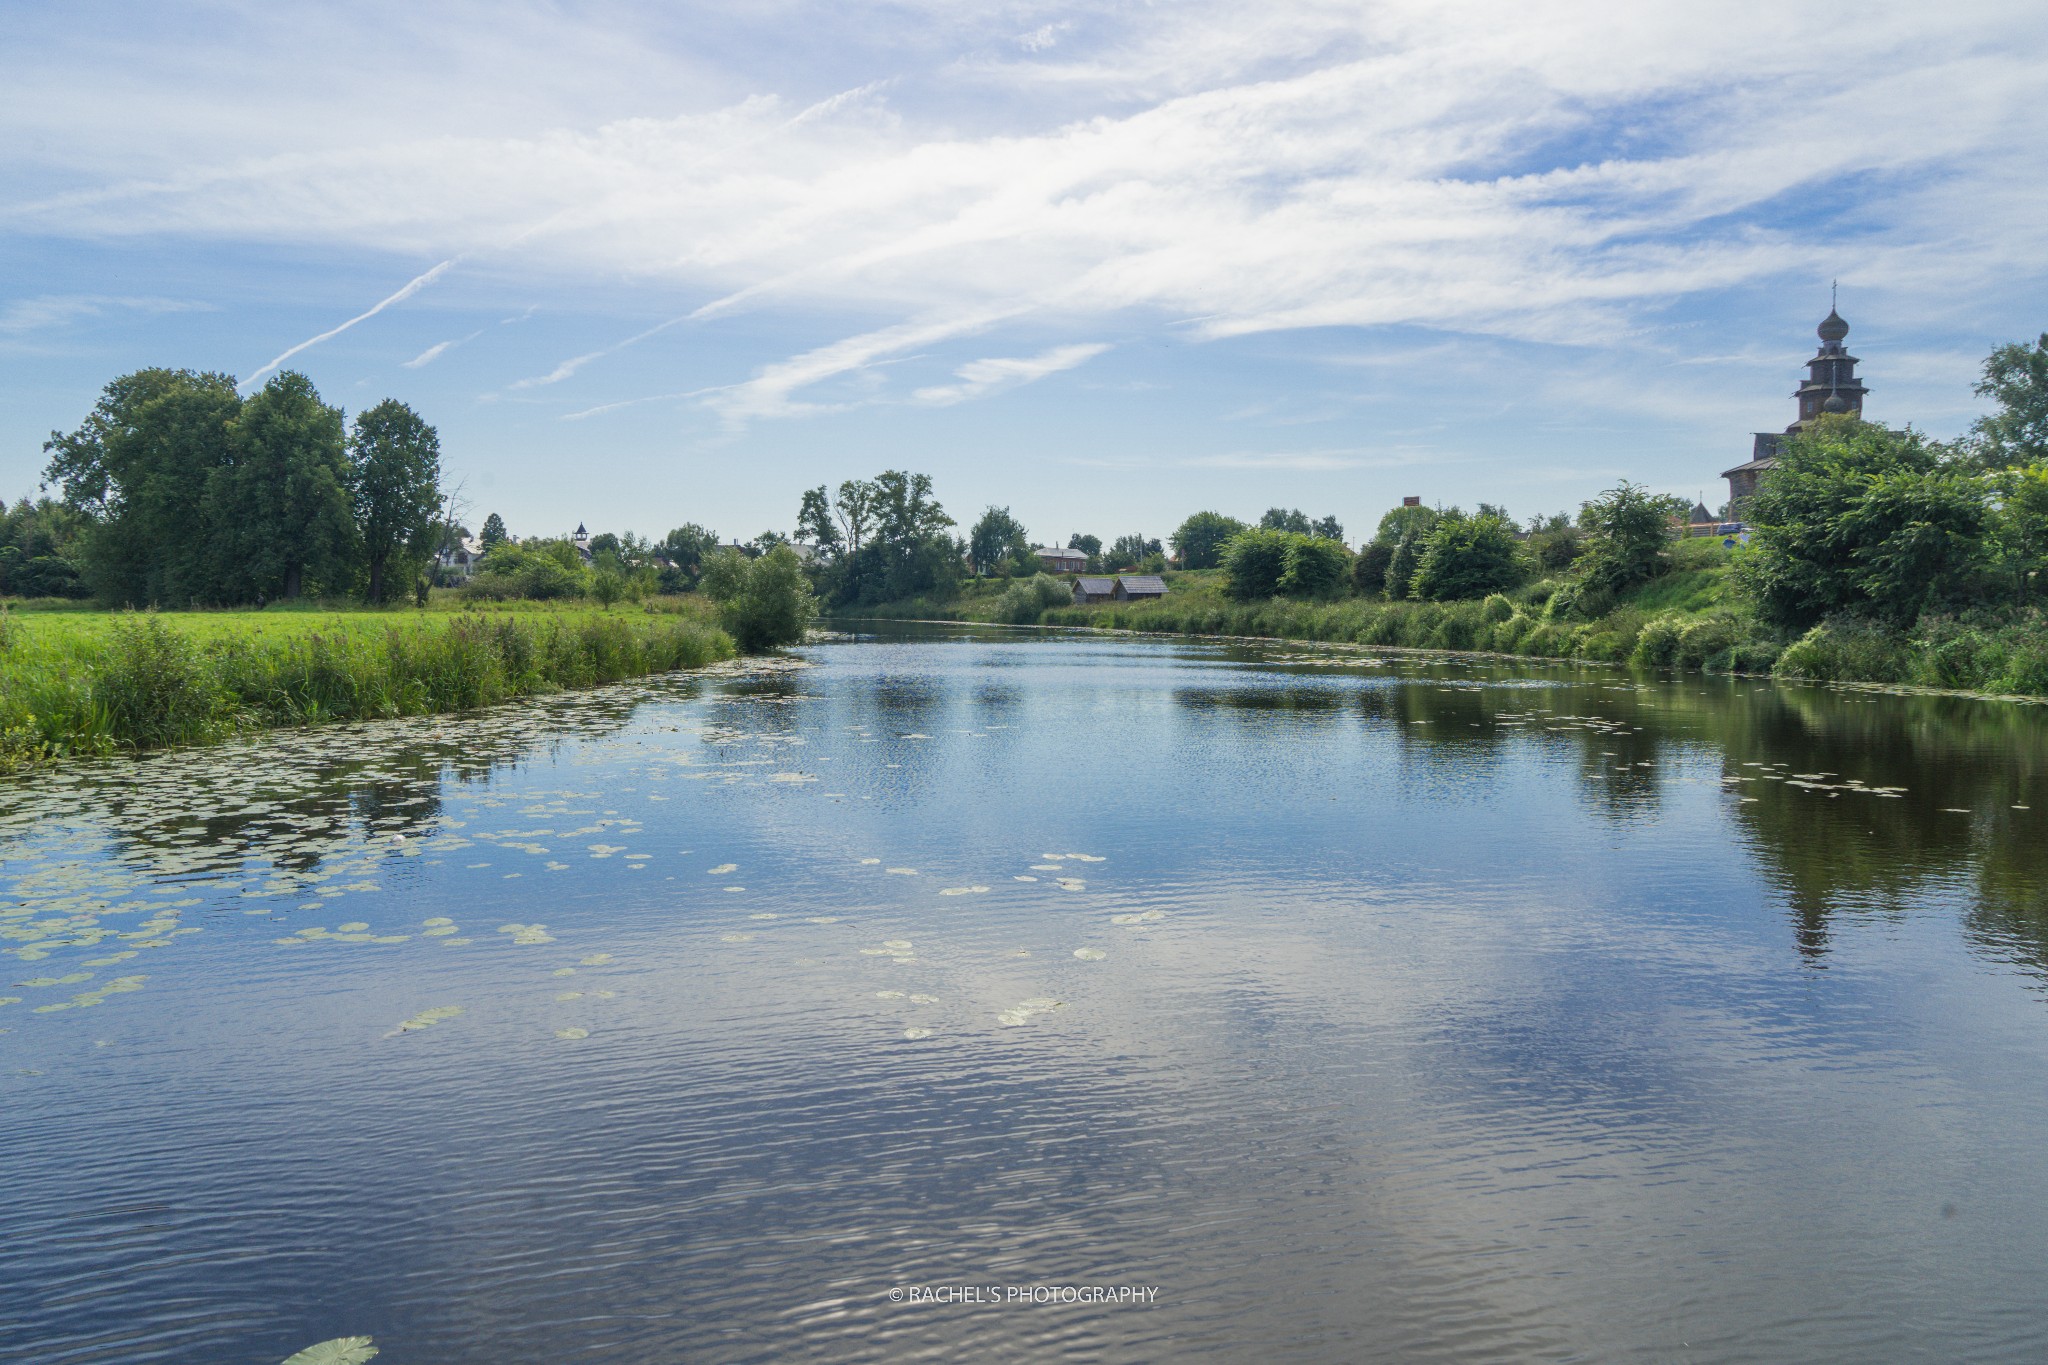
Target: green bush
{"x": 763, "y": 602}
{"x": 1254, "y": 561}
{"x": 1315, "y": 567}
{"x": 1467, "y": 557}
{"x": 1843, "y": 649}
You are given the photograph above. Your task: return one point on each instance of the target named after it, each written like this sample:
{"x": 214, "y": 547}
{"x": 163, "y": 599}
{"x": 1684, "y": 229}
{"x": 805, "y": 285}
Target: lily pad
{"x": 1090, "y": 954}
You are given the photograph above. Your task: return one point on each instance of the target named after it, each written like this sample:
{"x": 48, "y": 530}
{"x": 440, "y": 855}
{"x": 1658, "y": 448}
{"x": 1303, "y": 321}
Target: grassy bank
{"x": 1690, "y": 618}
{"x": 86, "y": 682}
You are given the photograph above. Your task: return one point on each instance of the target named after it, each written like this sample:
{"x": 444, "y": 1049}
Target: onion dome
{"x": 1832, "y": 328}
{"x": 1835, "y": 403}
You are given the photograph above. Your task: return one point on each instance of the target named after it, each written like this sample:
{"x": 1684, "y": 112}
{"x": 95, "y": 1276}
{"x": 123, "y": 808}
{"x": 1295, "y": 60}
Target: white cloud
{"x": 1490, "y": 167}
{"x": 978, "y": 378}
{"x": 47, "y": 312}
{"x": 404, "y": 292}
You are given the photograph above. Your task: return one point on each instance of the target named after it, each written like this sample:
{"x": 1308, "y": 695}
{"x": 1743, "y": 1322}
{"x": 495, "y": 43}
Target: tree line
{"x": 178, "y": 491}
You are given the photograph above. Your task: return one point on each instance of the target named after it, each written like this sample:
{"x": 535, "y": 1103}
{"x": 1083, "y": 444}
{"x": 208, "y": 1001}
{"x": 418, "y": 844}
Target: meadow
{"x": 81, "y": 682}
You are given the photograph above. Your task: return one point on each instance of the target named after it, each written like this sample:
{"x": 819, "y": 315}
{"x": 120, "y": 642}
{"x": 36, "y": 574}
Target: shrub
{"x": 155, "y": 686}
{"x": 763, "y": 602}
{"x": 1315, "y": 567}
{"x": 1844, "y": 648}
{"x": 1467, "y": 557}
{"x": 1496, "y": 607}
{"x": 1369, "y": 570}
{"x": 1254, "y": 561}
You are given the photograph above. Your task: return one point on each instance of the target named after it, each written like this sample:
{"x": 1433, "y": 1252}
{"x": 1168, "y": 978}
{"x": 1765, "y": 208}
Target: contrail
{"x": 412, "y": 287}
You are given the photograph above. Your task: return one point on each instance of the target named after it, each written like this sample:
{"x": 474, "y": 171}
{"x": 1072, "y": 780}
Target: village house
{"x": 1061, "y": 561}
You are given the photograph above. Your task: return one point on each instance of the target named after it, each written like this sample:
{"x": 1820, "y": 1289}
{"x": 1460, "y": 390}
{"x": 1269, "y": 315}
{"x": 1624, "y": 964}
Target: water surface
{"x": 1336, "y": 1007}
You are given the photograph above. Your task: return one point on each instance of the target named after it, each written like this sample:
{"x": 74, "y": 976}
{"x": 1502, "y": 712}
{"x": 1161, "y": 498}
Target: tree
{"x": 1555, "y": 542}
{"x": 138, "y": 468}
{"x": 997, "y": 540}
{"x": 1408, "y": 520}
{"x": 1401, "y": 567}
{"x": 1254, "y": 561}
{"x": 905, "y": 510}
{"x": 1329, "y": 528}
{"x": 1316, "y": 566}
{"x": 1629, "y": 531}
{"x": 280, "y": 513}
{"x": 1199, "y": 542}
{"x": 855, "y": 507}
{"x": 1130, "y": 551}
{"x": 607, "y": 585}
{"x": 1087, "y": 545}
{"x": 814, "y": 522}
{"x": 605, "y": 546}
{"x": 1856, "y": 518}
{"x": 2020, "y": 525}
{"x": 1369, "y": 570}
{"x": 2016, "y": 377}
{"x": 1467, "y": 557}
{"x": 494, "y": 532}
{"x": 763, "y": 602}
{"x": 1283, "y": 519}
{"x": 685, "y": 549}
{"x": 395, "y": 486}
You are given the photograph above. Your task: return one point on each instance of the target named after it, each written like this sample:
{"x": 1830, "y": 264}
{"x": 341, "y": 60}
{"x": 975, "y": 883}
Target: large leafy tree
{"x": 2020, "y": 530}
{"x": 280, "y": 512}
{"x": 139, "y": 467}
{"x": 395, "y": 484}
{"x": 855, "y": 507}
{"x": 2016, "y": 377}
{"x": 1860, "y": 519}
{"x": 1286, "y": 519}
{"x": 814, "y": 522}
{"x": 1254, "y": 561}
{"x": 1199, "y": 542}
{"x": 1129, "y": 552}
{"x": 996, "y": 540}
{"x": 763, "y": 601}
{"x": 494, "y": 533}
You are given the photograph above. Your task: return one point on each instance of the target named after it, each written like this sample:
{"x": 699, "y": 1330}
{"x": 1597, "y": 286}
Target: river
{"x": 952, "y": 993}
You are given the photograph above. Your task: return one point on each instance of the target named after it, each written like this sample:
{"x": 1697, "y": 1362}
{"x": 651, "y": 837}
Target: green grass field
{"x": 88, "y": 682}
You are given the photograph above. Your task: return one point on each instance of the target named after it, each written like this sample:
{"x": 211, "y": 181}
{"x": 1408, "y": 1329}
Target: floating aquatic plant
{"x": 916, "y": 1033}
{"x": 426, "y": 1018}
{"x": 1090, "y": 954}
{"x": 339, "y": 1351}
{"x": 572, "y": 1033}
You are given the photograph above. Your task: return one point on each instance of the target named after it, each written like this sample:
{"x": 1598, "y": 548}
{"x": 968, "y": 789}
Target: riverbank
{"x": 88, "y": 682}
{"x": 1692, "y": 618}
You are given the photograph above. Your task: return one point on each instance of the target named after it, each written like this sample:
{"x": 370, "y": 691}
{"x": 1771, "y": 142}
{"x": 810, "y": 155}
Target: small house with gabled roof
{"x": 1139, "y": 587}
{"x": 1093, "y": 590}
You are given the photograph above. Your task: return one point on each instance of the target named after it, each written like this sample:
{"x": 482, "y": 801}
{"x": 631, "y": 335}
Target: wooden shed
{"x": 1093, "y": 590}
{"x": 1139, "y": 587}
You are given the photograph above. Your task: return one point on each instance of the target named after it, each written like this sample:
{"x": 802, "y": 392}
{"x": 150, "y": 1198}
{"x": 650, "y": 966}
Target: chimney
{"x": 1411, "y": 502}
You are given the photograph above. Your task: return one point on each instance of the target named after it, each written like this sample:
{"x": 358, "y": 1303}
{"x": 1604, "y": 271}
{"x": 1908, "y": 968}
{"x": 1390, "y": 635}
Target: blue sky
{"x": 1107, "y": 264}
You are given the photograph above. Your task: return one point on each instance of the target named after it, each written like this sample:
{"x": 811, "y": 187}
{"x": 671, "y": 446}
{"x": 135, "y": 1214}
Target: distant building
{"x": 581, "y": 540}
{"x": 1139, "y": 587}
{"x": 1831, "y": 386}
{"x": 1094, "y": 590}
{"x": 460, "y": 560}
{"x": 1061, "y": 561}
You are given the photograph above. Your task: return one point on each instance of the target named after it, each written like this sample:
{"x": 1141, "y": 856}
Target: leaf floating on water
{"x": 822, "y": 919}
{"x": 426, "y": 1018}
{"x": 1086, "y": 858}
{"x": 1090, "y": 954}
{"x": 902, "y": 871}
{"x": 901, "y": 945}
{"x": 913, "y": 1034}
{"x": 888, "y": 995}
{"x": 1023, "y": 879}
{"x": 722, "y": 869}
{"x": 566, "y": 996}
{"x": 870, "y": 862}
{"x": 924, "y": 1000}
{"x": 437, "y": 922}
{"x": 340, "y": 1351}
{"x": 565, "y": 971}
{"x": 572, "y": 1034}
{"x": 1045, "y": 867}
{"x": 597, "y": 960}
{"x": 736, "y": 938}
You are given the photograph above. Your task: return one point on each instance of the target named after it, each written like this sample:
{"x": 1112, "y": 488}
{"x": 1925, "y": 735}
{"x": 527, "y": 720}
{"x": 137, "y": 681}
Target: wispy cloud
{"x": 979, "y": 378}
{"x": 411, "y": 287}
{"x": 48, "y": 311}
{"x": 438, "y": 349}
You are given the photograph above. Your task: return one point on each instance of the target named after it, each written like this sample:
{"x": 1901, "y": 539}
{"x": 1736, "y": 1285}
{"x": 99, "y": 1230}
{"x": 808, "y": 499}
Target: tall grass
{"x": 88, "y": 685}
